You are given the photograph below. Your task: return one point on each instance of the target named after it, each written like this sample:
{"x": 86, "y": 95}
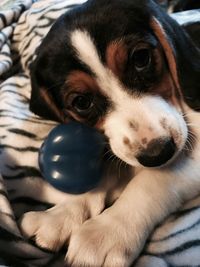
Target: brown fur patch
{"x": 80, "y": 81}
{"x": 170, "y": 56}
{"x": 163, "y": 123}
{"x": 126, "y": 141}
{"x": 116, "y": 57}
{"x": 50, "y": 103}
{"x": 167, "y": 48}
{"x": 165, "y": 87}
{"x": 144, "y": 141}
{"x": 159, "y": 56}
{"x": 100, "y": 124}
{"x": 134, "y": 125}
{"x": 132, "y": 146}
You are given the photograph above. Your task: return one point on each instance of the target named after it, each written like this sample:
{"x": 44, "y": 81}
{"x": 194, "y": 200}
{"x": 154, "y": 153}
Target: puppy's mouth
{"x": 158, "y": 153}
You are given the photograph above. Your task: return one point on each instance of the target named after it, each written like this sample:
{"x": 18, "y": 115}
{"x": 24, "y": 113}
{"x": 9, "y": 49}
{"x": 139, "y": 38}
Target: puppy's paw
{"x": 100, "y": 242}
{"x": 52, "y": 228}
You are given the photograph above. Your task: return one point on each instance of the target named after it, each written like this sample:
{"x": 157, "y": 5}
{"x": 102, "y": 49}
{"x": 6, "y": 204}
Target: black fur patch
{"x": 108, "y": 20}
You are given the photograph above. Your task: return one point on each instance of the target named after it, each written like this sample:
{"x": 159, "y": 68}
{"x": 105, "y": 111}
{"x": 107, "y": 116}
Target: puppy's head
{"x": 125, "y": 68}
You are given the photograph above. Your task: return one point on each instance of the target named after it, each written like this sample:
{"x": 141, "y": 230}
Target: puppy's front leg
{"x": 52, "y": 228}
{"x": 116, "y": 237}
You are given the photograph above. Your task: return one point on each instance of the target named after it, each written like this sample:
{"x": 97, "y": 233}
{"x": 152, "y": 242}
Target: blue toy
{"x": 70, "y": 158}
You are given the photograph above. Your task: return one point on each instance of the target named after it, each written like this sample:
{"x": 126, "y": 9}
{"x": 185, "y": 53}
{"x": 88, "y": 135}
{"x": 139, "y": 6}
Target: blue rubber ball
{"x": 70, "y": 158}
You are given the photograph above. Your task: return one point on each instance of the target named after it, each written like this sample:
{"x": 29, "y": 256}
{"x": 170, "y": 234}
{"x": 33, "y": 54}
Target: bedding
{"x": 174, "y": 243}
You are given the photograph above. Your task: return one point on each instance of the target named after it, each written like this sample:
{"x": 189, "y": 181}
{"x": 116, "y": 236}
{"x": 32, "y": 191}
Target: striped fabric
{"x": 8, "y": 19}
{"x": 174, "y": 243}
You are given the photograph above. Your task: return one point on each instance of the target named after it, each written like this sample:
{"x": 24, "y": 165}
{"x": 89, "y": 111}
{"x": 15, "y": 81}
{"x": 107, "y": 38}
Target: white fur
{"x": 87, "y": 53}
{"x": 115, "y": 237}
{"x": 146, "y": 111}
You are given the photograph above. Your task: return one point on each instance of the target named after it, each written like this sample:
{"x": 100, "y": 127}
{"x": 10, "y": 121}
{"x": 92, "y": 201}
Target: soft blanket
{"x": 174, "y": 243}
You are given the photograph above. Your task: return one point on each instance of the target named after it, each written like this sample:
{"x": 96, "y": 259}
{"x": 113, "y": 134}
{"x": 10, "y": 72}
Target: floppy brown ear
{"x": 168, "y": 50}
{"x": 182, "y": 55}
{"x": 42, "y": 101}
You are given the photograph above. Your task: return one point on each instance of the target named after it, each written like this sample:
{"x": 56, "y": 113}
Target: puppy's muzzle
{"x": 157, "y": 153}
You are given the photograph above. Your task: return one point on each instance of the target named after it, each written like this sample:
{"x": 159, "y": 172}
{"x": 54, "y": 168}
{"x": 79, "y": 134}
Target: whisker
{"x": 192, "y": 137}
{"x": 193, "y": 125}
{"x": 188, "y": 114}
{"x": 186, "y": 148}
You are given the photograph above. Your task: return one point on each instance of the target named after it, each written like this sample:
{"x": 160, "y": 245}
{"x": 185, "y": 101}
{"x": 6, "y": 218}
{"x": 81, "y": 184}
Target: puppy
{"x": 129, "y": 70}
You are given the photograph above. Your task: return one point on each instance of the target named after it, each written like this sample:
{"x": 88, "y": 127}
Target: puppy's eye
{"x": 141, "y": 58}
{"x": 81, "y": 103}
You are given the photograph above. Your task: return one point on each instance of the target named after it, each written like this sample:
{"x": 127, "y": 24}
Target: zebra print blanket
{"x": 174, "y": 243}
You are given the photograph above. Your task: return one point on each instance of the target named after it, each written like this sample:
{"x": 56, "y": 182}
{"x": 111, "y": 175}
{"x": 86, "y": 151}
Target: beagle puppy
{"x": 129, "y": 70}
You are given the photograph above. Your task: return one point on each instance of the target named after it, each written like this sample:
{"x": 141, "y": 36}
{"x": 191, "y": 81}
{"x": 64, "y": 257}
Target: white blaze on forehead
{"x": 87, "y": 53}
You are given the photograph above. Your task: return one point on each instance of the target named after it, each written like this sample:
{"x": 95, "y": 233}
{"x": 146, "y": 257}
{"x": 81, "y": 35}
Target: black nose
{"x": 158, "y": 152}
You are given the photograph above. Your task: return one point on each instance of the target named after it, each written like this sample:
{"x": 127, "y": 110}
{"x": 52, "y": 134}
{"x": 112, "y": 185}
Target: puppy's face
{"x": 132, "y": 95}
{"x": 106, "y": 66}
